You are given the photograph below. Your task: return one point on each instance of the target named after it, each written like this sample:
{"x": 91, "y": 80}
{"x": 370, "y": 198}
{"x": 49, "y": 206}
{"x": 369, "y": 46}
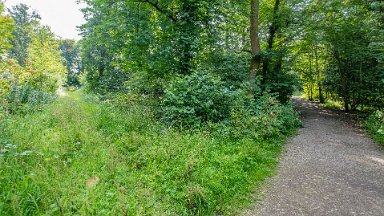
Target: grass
{"x": 82, "y": 157}
{"x": 374, "y": 125}
{"x": 335, "y": 105}
{"x": 329, "y": 103}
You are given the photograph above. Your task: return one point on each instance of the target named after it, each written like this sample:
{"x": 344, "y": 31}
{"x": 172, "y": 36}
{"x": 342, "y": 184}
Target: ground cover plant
{"x": 374, "y": 124}
{"x": 81, "y": 156}
{"x": 183, "y": 106}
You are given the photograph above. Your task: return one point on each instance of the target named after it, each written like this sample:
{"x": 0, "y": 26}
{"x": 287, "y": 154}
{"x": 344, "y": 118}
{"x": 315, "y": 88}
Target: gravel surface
{"x": 329, "y": 168}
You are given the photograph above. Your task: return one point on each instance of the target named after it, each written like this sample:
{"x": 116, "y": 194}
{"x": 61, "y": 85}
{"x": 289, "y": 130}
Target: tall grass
{"x": 82, "y": 157}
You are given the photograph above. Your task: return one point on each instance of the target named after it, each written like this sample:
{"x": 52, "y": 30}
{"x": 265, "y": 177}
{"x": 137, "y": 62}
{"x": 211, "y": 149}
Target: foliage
{"x": 44, "y": 62}
{"x": 10, "y": 72}
{"x": 70, "y": 51}
{"x": 26, "y": 99}
{"x": 341, "y": 52}
{"x": 197, "y": 99}
{"x": 165, "y": 39}
{"x": 6, "y": 28}
{"x": 80, "y": 156}
{"x": 275, "y": 71}
{"x": 24, "y": 20}
{"x": 375, "y": 126}
{"x": 17, "y": 94}
{"x": 162, "y": 39}
{"x": 336, "y": 54}
{"x": 283, "y": 85}
{"x": 32, "y": 70}
{"x": 228, "y": 66}
{"x": 202, "y": 99}
{"x": 264, "y": 118}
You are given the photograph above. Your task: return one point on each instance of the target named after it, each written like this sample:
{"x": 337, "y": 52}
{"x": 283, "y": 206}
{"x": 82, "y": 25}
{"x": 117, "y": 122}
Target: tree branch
{"x": 157, "y": 7}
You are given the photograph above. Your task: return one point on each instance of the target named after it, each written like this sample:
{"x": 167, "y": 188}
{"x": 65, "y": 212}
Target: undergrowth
{"x": 79, "y": 156}
{"x": 374, "y": 124}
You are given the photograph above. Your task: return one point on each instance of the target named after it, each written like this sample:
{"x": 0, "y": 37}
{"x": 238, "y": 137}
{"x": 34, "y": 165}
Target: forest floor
{"x": 329, "y": 168}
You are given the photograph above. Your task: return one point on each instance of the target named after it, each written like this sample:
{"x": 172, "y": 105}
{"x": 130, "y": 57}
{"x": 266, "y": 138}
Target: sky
{"x": 61, "y": 15}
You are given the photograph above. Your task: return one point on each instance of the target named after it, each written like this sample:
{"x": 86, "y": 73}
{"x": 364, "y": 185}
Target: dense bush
{"x": 24, "y": 99}
{"x": 283, "y": 85}
{"x": 264, "y": 117}
{"x": 229, "y": 66}
{"x": 375, "y": 126}
{"x": 25, "y": 89}
{"x": 203, "y": 99}
{"x": 196, "y": 99}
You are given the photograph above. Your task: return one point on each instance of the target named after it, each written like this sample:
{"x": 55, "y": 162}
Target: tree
{"x": 255, "y": 43}
{"x": 189, "y": 18}
{"x": 342, "y": 42}
{"x": 44, "y": 63}
{"x": 162, "y": 39}
{"x": 142, "y": 45}
{"x": 273, "y": 30}
{"x": 24, "y": 21}
{"x": 6, "y": 28}
{"x": 70, "y": 51}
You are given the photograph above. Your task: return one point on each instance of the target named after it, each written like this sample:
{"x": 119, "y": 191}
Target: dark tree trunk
{"x": 272, "y": 34}
{"x": 311, "y": 77}
{"x": 311, "y": 92}
{"x": 343, "y": 81}
{"x": 101, "y": 64}
{"x": 321, "y": 96}
{"x": 255, "y": 44}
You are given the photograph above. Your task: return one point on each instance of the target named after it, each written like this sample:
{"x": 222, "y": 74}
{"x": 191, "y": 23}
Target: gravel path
{"x": 330, "y": 168}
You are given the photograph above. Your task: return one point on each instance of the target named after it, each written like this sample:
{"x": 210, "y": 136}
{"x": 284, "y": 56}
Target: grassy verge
{"x": 83, "y": 157}
{"x": 374, "y": 125}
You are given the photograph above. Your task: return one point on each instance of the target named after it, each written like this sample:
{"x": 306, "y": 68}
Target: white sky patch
{"x": 63, "y": 16}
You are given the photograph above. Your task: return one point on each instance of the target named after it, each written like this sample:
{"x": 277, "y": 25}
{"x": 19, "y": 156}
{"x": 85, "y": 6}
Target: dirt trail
{"x": 329, "y": 168}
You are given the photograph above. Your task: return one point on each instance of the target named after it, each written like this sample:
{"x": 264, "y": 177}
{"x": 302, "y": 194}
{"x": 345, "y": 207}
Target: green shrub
{"x": 264, "y": 117}
{"x": 203, "y": 99}
{"x": 375, "y": 126}
{"x": 196, "y": 99}
{"x": 24, "y": 99}
{"x": 283, "y": 85}
{"x": 229, "y": 66}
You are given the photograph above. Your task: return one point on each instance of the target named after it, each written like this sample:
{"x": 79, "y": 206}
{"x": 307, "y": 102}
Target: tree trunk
{"x": 321, "y": 96}
{"x": 343, "y": 80}
{"x": 255, "y": 44}
{"x": 311, "y": 93}
{"x": 311, "y": 81}
{"x": 272, "y": 33}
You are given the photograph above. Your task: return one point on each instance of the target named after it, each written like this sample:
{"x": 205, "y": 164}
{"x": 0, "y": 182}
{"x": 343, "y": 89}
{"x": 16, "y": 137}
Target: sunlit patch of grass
{"x": 336, "y": 105}
{"x": 79, "y": 156}
{"x": 299, "y": 94}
